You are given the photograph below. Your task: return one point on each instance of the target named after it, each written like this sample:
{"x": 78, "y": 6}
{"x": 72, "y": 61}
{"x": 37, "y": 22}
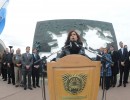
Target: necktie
{"x": 111, "y": 52}
{"x": 27, "y": 55}
{"x": 35, "y": 56}
{"x": 122, "y": 50}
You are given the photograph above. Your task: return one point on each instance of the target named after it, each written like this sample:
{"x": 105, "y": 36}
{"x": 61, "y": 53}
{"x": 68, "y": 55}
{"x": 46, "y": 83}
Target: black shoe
{"x": 124, "y": 85}
{"x": 38, "y": 86}
{"x": 113, "y": 85}
{"x": 30, "y": 88}
{"x": 9, "y": 82}
{"x": 25, "y": 88}
{"x": 5, "y": 80}
{"x": 107, "y": 88}
{"x": 34, "y": 86}
{"x": 119, "y": 85}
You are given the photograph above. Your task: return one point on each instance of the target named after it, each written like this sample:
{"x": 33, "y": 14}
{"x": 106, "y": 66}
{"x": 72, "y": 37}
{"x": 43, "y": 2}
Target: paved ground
{"x": 10, "y": 92}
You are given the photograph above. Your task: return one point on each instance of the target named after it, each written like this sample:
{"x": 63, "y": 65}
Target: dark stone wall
{"x": 42, "y": 36}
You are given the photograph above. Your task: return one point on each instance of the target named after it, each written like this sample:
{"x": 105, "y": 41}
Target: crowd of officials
{"x": 120, "y": 65}
{"x": 17, "y": 68}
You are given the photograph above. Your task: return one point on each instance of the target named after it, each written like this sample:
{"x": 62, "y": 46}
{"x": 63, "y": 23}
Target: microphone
{"x": 105, "y": 58}
{"x": 101, "y": 56}
{"x": 43, "y": 58}
{"x": 86, "y": 48}
{"x": 70, "y": 44}
{"x": 76, "y": 44}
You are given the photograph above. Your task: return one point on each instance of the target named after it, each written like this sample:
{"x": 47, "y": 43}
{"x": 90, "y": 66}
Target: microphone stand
{"x": 104, "y": 70}
{"x": 104, "y": 79}
{"x": 43, "y": 71}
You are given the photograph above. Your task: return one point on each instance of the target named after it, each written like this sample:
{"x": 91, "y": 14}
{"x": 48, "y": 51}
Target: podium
{"x": 73, "y": 77}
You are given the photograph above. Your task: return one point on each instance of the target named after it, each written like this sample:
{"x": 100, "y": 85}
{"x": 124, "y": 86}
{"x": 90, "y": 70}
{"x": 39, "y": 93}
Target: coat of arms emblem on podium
{"x": 74, "y": 83}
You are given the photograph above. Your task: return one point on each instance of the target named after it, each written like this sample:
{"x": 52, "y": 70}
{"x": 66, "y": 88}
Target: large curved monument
{"x": 50, "y": 35}
{"x": 2, "y": 46}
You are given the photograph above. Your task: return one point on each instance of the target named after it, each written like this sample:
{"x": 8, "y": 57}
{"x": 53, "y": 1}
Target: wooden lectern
{"x": 73, "y": 77}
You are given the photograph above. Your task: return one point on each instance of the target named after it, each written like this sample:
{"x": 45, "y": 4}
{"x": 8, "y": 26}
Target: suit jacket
{"x": 27, "y": 60}
{"x": 35, "y": 58}
{"x": 5, "y": 59}
{"x": 115, "y": 67}
{"x": 17, "y": 59}
{"x": 122, "y": 57}
{"x": 127, "y": 62}
{"x": 10, "y": 58}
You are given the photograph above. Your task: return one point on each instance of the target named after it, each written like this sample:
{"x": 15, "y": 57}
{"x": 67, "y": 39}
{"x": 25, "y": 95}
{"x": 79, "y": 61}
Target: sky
{"x": 22, "y": 16}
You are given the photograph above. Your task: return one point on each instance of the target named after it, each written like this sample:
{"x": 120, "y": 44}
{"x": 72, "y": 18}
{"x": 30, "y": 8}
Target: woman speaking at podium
{"x": 73, "y": 45}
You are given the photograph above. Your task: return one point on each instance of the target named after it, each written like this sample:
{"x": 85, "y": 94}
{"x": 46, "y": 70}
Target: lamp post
{"x": 10, "y": 48}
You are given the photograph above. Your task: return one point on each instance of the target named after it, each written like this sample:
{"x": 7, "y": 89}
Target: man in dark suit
{"x": 35, "y": 68}
{"x": 27, "y": 62}
{"x": 10, "y": 68}
{"x": 123, "y": 54}
{"x": 114, "y": 67}
{"x": 4, "y": 62}
{"x": 127, "y": 63}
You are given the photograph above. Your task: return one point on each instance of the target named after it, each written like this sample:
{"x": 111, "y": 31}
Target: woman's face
{"x": 105, "y": 51}
{"x": 73, "y": 37}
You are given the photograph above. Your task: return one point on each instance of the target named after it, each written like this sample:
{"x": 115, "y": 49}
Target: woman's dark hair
{"x": 68, "y": 38}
